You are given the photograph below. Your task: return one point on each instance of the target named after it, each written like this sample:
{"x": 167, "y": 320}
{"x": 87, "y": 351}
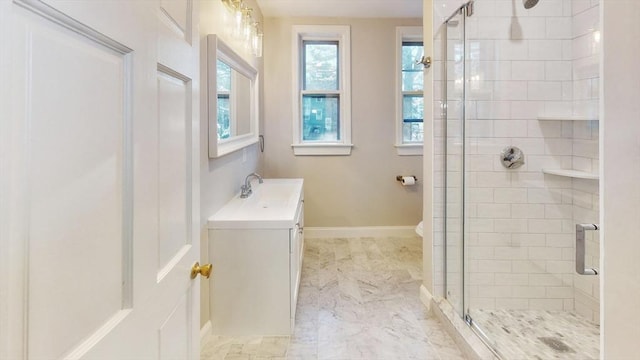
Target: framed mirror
{"x": 232, "y": 99}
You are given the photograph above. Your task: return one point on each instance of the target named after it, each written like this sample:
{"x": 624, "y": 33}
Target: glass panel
{"x": 320, "y": 65}
{"x": 223, "y": 79}
{"x": 233, "y": 115}
{"x": 234, "y": 102}
{"x": 411, "y": 53}
{"x": 223, "y": 85}
{"x": 321, "y": 118}
{"x": 453, "y": 138}
{"x": 224, "y": 126}
{"x": 412, "y": 104}
{"x": 412, "y": 108}
{"x": 412, "y": 72}
{"x": 412, "y": 81}
{"x": 521, "y": 288}
{"x": 413, "y": 132}
{"x": 412, "y": 115}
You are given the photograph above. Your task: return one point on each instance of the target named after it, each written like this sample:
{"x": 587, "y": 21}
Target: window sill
{"x": 409, "y": 149}
{"x": 322, "y": 149}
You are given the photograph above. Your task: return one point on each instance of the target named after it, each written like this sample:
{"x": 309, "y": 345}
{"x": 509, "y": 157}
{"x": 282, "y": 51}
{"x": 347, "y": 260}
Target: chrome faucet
{"x": 246, "y": 188}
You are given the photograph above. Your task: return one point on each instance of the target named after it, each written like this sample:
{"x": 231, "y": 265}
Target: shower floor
{"x": 539, "y": 334}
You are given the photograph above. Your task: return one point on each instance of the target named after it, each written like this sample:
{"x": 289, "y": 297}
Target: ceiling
{"x": 342, "y": 8}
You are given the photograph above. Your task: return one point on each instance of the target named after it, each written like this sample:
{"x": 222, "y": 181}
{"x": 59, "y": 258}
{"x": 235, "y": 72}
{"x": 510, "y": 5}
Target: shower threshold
{"x": 539, "y": 334}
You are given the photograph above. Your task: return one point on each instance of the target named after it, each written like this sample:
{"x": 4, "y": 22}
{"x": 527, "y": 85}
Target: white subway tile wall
{"x": 521, "y": 64}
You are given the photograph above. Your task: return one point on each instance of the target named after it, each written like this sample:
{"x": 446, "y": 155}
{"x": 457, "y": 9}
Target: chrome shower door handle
{"x": 425, "y": 61}
{"x": 580, "y": 249}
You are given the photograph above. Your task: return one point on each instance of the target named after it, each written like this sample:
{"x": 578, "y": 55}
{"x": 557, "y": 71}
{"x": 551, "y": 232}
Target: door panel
{"x": 174, "y": 128}
{"x": 175, "y": 332}
{"x": 176, "y": 34}
{"x": 76, "y": 188}
{"x": 98, "y": 193}
{"x": 178, "y": 161}
{"x": 179, "y": 13}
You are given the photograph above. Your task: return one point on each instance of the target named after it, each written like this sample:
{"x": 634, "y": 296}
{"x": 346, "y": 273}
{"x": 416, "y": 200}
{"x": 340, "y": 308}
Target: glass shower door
{"x": 515, "y": 227}
{"x": 453, "y": 41}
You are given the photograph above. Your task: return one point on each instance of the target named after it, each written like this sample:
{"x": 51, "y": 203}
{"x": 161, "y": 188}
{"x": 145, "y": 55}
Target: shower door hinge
{"x": 468, "y": 319}
{"x": 469, "y": 8}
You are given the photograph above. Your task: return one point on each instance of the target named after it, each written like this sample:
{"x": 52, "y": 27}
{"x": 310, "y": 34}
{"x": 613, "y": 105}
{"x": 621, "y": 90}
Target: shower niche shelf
{"x": 566, "y": 118}
{"x": 572, "y": 174}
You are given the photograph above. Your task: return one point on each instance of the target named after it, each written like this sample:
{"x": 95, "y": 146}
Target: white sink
{"x": 272, "y": 205}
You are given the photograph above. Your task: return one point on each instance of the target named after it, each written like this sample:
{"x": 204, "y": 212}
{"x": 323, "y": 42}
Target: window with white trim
{"x": 410, "y": 91}
{"x": 321, "y": 88}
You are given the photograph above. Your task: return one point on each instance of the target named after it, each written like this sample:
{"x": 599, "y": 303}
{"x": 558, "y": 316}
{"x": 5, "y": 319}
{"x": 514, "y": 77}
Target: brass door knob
{"x": 204, "y": 270}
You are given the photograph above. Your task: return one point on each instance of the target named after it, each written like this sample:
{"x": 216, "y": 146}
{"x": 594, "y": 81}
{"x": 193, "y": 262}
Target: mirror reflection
{"x": 224, "y": 91}
{"x": 233, "y": 99}
{"x": 234, "y": 107}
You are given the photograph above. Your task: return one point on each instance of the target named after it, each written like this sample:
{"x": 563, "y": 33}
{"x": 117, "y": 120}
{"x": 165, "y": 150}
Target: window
{"x": 321, "y": 104}
{"x": 410, "y": 86}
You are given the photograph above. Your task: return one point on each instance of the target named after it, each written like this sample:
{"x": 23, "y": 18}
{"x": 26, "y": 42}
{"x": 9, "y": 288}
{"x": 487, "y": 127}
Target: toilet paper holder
{"x": 399, "y": 177}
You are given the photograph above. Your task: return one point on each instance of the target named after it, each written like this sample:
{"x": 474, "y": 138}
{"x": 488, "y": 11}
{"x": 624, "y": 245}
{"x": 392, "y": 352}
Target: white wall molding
{"x": 366, "y": 231}
{"x": 205, "y": 331}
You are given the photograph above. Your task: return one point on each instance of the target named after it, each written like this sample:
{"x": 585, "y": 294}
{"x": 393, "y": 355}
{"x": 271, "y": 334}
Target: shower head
{"x": 528, "y": 4}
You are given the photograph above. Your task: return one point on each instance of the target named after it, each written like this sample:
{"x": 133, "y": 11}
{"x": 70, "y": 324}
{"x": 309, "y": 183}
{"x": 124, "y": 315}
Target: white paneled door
{"x": 99, "y": 179}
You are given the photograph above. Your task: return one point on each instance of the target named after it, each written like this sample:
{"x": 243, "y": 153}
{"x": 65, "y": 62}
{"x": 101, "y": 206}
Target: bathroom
{"x": 558, "y": 81}
{"x": 341, "y": 192}
{"x": 533, "y": 82}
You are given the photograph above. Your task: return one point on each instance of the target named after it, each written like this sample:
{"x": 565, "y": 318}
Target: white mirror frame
{"x": 217, "y": 49}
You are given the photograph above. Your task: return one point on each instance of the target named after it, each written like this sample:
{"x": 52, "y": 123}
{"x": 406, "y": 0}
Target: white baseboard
{"x": 205, "y": 331}
{"x": 366, "y": 231}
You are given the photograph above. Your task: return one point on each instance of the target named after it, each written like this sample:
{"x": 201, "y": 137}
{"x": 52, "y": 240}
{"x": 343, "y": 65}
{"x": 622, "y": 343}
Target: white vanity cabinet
{"x": 256, "y": 247}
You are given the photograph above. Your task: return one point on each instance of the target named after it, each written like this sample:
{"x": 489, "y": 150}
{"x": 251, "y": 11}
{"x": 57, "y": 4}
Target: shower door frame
{"x": 465, "y": 10}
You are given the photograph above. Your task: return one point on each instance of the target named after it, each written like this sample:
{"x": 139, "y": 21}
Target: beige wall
{"x": 356, "y": 190}
{"x": 220, "y": 178}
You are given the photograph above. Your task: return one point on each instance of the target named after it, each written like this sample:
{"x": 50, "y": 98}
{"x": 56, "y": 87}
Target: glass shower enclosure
{"x": 518, "y": 144}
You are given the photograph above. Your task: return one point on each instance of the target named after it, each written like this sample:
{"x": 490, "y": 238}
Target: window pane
{"x": 320, "y": 117}
{"x": 412, "y": 108}
{"x": 224, "y": 126}
{"x": 412, "y": 117}
{"x": 412, "y": 81}
{"x": 320, "y": 65}
{"x": 223, "y": 79}
{"x": 411, "y": 53}
{"x": 412, "y": 132}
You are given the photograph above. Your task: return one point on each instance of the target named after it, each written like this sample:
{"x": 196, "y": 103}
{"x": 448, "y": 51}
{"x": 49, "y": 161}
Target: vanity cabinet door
{"x": 300, "y": 221}
{"x": 295, "y": 236}
{"x": 251, "y": 290}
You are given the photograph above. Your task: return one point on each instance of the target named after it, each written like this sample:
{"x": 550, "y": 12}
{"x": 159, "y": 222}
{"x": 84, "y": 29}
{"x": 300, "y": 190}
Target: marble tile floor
{"x": 540, "y": 334}
{"x": 358, "y": 299}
